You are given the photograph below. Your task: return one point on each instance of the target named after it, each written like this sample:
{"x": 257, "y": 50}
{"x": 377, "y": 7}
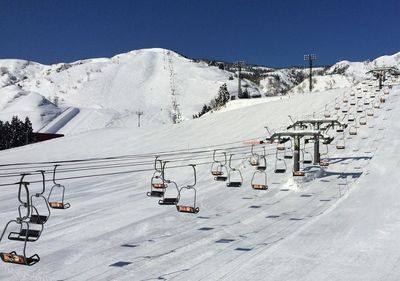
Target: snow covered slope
{"x": 322, "y": 83}
{"x": 336, "y": 223}
{"x": 344, "y": 74}
{"x": 357, "y": 70}
{"x": 108, "y": 92}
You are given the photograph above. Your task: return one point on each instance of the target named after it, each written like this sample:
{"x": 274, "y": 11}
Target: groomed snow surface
{"x": 341, "y": 222}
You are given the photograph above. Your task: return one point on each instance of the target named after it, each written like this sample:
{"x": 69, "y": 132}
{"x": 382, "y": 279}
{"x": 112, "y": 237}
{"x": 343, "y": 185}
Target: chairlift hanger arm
{"x": 43, "y": 181}
{"x": 299, "y": 133}
{"x": 54, "y": 173}
{"x": 194, "y": 174}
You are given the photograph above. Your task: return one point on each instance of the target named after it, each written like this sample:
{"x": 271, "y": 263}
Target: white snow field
{"x": 341, "y": 222}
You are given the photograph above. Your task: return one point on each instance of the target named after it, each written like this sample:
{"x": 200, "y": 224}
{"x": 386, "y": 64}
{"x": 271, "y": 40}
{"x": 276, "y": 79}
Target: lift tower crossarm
{"x": 315, "y": 122}
{"x": 296, "y": 135}
{"x": 380, "y": 73}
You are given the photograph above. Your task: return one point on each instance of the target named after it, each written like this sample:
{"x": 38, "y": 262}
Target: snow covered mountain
{"x": 295, "y": 80}
{"x": 166, "y": 87}
{"x": 108, "y": 92}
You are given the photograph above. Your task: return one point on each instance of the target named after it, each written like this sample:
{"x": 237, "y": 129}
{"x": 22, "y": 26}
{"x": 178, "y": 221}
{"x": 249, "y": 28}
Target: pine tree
{"x": 16, "y": 133}
{"x": 2, "y": 135}
{"x": 28, "y": 130}
{"x": 223, "y": 95}
{"x": 7, "y": 135}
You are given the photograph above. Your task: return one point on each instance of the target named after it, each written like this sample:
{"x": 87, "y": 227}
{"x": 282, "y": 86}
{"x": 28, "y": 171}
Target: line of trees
{"x": 15, "y": 133}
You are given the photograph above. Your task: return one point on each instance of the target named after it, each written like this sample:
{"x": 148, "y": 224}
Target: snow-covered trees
{"x": 15, "y": 133}
{"x": 219, "y": 101}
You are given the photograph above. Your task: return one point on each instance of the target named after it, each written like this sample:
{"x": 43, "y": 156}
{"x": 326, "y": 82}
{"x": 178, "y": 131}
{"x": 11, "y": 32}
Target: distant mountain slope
{"x": 164, "y": 85}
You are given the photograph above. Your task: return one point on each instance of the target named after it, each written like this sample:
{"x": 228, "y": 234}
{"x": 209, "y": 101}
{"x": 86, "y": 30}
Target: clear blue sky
{"x": 267, "y": 32}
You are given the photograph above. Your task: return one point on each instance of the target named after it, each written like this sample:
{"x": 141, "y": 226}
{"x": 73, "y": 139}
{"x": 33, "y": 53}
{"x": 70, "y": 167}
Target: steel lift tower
{"x": 317, "y": 125}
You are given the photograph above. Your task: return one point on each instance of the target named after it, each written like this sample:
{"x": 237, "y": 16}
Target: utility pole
{"x": 239, "y": 66}
{"x": 310, "y": 58}
{"x": 139, "y": 113}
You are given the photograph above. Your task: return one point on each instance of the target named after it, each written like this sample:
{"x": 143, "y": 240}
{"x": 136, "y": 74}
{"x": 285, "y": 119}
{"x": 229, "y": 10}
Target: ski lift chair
{"x": 327, "y": 114}
{"x": 254, "y": 158}
{"x": 345, "y": 108}
{"x": 35, "y": 216}
{"x": 307, "y": 156}
{"x": 157, "y": 184}
{"x": 232, "y": 171}
{"x": 218, "y": 168}
{"x": 353, "y": 130}
{"x": 57, "y": 204}
{"x": 25, "y": 234}
{"x": 288, "y": 154}
{"x": 170, "y": 200}
{"x": 262, "y": 166}
{"x": 183, "y": 208}
{"x": 363, "y": 120}
{"x": 324, "y": 162}
{"x": 350, "y": 117}
{"x": 13, "y": 257}
{"x": 257, "y": 183}
{"x": 280, "y": 165}
{"x": 340, "y": 144}
{"x": 337, "y": 105}
{"x": 360, "y": 108}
